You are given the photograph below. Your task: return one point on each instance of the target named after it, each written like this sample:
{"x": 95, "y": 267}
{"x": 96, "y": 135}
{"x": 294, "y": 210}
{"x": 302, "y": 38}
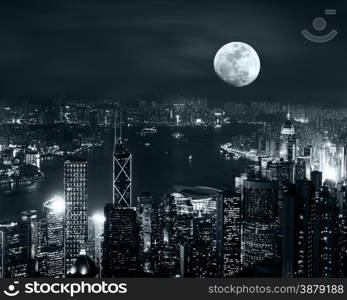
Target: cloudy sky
{"x": 139, "y": 48}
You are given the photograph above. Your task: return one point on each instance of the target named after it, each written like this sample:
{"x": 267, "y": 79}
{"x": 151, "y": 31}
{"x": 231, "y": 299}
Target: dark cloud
{"x": 146, "y": 48}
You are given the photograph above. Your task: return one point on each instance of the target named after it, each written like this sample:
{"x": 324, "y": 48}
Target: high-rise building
{"x": 317, "y": 177}
{"x": 231, "y": 233}
{"x": 121, "y": 242}
{"x": 164, "y": 238}
{"x": 16, "y": 243}
{"x": 76, "y": 209}
{"x": 202, "y": 252}
{"x": 121, "y": 232}
{"x": 302, "y": 168}
{"x": 13, "y": 251}
{"x": 122, "y": 173}
{"x": 299, "y": 208}
{"x": 145, "y": 212}
{"x": 326, "y": 236}
{"x": 52, "y": 237}
{"x": 95, "y": 232}
{"x": 288, "y": 141}
{"x": 259, "y": 226}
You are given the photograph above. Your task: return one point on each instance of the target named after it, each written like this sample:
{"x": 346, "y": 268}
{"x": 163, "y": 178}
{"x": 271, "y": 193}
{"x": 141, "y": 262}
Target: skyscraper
{"x": 95, "y": 232}
{"x": 121, "y": 232}
{"x": 299, "y": 218}
{"x": 121, "y": 242}
{"x": 76, "y": 209}
{"x": 122, "y": 173}
{"x": 231, "y": 233}
{"x": 53, "y": 237}
{"x": 288, "y": 141}
{"x": 16, "y": 242}
{"x": 259, "y": 227}
{"x": 145, "y": 212}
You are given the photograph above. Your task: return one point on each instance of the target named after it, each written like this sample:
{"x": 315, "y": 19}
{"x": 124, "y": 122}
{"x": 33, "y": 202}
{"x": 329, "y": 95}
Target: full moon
{"x": 237, "y": 63}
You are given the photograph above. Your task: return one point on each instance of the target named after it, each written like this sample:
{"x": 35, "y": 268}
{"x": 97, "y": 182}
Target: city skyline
{"x": 291, "y": 189}
{"x": 173, "y": 139}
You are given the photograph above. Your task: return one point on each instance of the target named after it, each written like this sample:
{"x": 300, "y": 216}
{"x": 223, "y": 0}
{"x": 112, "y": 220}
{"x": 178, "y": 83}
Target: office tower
{"x": 29, "y": 224}
{"x": 202, "y": 253}
{"x": 121, "y": 232}
{"x": 76, "y": 209}
{"x": 288, "y": 141}
{"x": 300, "y": 211}
{"x": 308, "y": 152}
{"x": 16, "y": 249}
{"x": 164, "y": 238}
{"x": 41, "y": 265}
{"x": 302, "y": 168}
{"x": 342, "y": 229}
{"x": 231, "y": 233}
{"x": 316, "y": 178}
{"x": 95, "y": 232}
{"x": 200, "y": 203}
{"x": 259, "y": 226}
{"x": 121, "y": 242}
{"x": 12, "y": 263}
{"x": 326, "y": 236}
{"x": 122, "y": 172}
{"x": 263, "y": 163}
{"x": 52, "y": 237}
{"x": 91, "y": 238}
{"x": 144, "y": 212}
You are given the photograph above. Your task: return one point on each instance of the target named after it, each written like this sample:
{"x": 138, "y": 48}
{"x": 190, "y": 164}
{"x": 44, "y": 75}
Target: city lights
{"x": 330, "y": 173}
{"x": 57, "y": 204}
{"x": 98, "y": 218}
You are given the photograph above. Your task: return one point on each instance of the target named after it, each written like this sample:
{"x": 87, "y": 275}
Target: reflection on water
{"x": 156, "y": 167}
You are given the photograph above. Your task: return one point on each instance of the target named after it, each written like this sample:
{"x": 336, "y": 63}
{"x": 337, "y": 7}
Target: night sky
{"x": 147, "y": 49}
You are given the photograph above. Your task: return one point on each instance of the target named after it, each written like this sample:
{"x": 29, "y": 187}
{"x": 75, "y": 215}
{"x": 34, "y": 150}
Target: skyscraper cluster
{"x": 284, "y": 218}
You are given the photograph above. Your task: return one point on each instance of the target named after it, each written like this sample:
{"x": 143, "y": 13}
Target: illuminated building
{"x": 164, "y": 238}
{"x": 144, "y": 211}
{"x": 121, "y": 242}
{"x": 202, "y": 261}
{"x": 231, "y": 233}
{"x": 203, "y": 203}
{"x": 95, "y": 232}
{"x": 76, "y": 209}
{"x": 326, "y": 238}
{"x": 121, "y": 233}
{"x": 122, "y": 173}
{"x": 302, "y": 168}
{"x": 54, "y": 211}
{"x": 300, "y": 211}
{"x": 288, "y": 141}
{"x": 203, "y": 199}
{"x": 13, "y": 251}
{"x": 18, "y": 243}
{"x": 83, "y": 267}
{"x": 259, "y": 228}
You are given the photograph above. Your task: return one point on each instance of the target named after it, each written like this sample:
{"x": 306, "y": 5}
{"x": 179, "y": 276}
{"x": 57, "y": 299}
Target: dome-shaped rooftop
{"x": 84, "y": 267}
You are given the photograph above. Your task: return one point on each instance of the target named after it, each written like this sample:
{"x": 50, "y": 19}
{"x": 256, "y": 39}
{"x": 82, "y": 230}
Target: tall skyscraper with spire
{"x": 122, "y": 173}
{"x": 288, "y": 141}
{"x": 121, "y": 232}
